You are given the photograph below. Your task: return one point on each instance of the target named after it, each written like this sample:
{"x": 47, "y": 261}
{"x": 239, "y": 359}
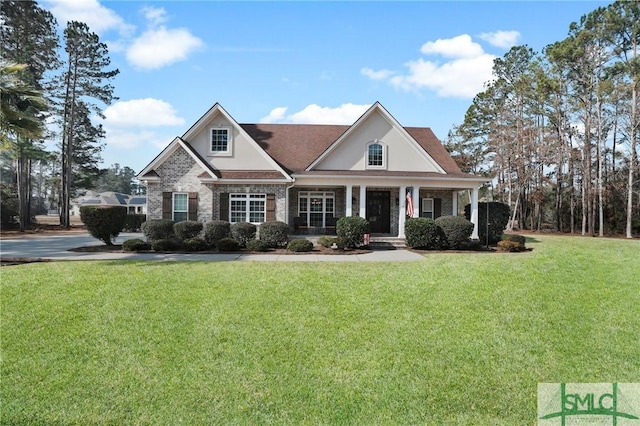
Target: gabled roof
{"x": 149, "y": 173}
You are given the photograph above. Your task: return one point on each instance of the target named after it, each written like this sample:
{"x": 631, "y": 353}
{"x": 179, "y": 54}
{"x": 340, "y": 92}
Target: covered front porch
{"x": 315, "y": 209}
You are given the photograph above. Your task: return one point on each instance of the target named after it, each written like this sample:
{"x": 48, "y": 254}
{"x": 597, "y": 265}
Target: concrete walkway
{"x": 56, "y": 247}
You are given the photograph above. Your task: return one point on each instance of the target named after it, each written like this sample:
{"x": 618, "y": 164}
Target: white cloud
{"x": 155, "y": 15}
{"x": 316, "y": 114}
{"x": 376, "y": 75}
{"x": 159, "y": 47}
{"x": 123, "y": 139}
{"x": 457, "y": 47}
{"x": 503, "y": 39}
{"x": 463, "y": 73}
{"x": 97, "y": 17}
{"x": 146, "y": 112}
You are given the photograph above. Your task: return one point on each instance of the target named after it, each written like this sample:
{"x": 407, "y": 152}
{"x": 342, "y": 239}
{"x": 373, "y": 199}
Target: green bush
{"x": 499, "y": 215}
{"x": 227, "y": 244}
{"x": 157, "y": 229}
{"x": 215, "y": 230}
{"x": 195, "y": 244}
{"x": 257, "y": 245}
{"x": 10, "y": 207}
{"x": 104, "y": 222}
{"x": 457, "y": 230}
{"x": 243, "y": 232}
{"x": 133, "y": 222}
{"x": 168, "y": 244}
{"x": 274, "y": 234}
{"x": 515, "y": 238}
{"x": 423, "y": 233}
{"x": 351, "y": 230}
{"x": 187, "y": 229}
{"x": 300, "y": 245}
{"x": 135, "y": 244}
{"x": 327, "y": 241}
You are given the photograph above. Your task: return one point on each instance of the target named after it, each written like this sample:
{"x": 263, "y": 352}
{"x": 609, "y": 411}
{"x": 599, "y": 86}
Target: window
{"x": 247, "y": 208}
{"x": 180, "y": 206}
{"x": 427, "y": 207}
{"x": 316, "y": 208}
{"x": 220, "y": 140}
{"x": 375, "y": 155}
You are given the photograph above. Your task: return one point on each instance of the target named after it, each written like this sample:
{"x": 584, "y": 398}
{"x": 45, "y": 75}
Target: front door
{"x": 378, "y": 211}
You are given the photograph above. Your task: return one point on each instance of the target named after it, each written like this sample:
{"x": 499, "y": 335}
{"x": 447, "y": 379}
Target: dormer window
{"x": 376, "y": 155}
{"x": 220, "y": 140}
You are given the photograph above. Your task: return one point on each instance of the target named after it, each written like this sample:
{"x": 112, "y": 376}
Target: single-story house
{"x": 306, "y": 175}
{"x": 136, "y": 204}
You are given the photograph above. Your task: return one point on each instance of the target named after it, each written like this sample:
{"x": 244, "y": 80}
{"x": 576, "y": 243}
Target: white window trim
{"x": 384, "y": 156}
{"x": 325, "y": 195}
{"x": 247, "y": 198}
{"x": 423, "y": 206}
{"x": 229, "y": 150}
{"x": 173, "y": 205}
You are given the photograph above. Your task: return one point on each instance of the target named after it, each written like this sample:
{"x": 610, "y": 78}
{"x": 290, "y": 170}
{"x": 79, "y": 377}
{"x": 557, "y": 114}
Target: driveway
{"x": 56, "y": 247}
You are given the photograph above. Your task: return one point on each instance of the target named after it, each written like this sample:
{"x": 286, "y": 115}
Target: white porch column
{"x": 415, "y": 195}
{"x": 363, "y": 201}
{"x": 348, "y": 202}
{"x": 454, "y": 203}
{"x": 402, "y": 205}
{"x": 474, "y": 213}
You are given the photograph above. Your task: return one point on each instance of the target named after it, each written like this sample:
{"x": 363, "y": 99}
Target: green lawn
{"x": 456, "y": 339}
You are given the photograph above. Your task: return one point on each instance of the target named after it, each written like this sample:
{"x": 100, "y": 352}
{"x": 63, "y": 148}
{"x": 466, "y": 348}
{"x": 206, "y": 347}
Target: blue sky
{"x": 301, "y": 62}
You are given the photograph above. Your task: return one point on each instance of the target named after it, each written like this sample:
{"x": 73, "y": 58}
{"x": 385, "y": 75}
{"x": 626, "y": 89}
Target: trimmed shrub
{"x": 498, "y": 220}
{"x": 135, "y": 244}
{"x": 104, "y": 222}
{"x": 515, "y": 238}
{"x": 300, "y": 245}
{"x": 327, "y": 241}
{"x": 510, "y": 246}
{"x": 243, "y": 232}
{"x": 423, "y": 233}
{"x": 168, "y": 244}
{"x": 215, "y": 230}
{"x": 195, "y": 244}
{"x": 257, "y": 245}
{"x": 187, "y": 229}
{"x": 457, "y": 230}
{"x": 227, "y": 244}
{"x": 351, "y": 230}
{"x": 133, "y": 222}
{"x": 157, "y": 229}
{"x": 274, "y": 234}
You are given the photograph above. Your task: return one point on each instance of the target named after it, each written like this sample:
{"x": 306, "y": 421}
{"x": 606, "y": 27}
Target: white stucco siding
{"x": 400, "y": 153}
{"x": 243, "y": 156}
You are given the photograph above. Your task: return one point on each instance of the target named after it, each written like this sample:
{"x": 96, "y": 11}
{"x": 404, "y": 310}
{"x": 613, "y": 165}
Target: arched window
{"x": 375, "y": 155}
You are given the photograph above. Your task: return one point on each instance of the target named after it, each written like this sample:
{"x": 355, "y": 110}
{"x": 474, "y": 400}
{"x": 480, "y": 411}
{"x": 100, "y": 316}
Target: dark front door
{"x": 378, "y": 211}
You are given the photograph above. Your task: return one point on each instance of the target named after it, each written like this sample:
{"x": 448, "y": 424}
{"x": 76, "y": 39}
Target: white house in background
{"x": 136, "y": 204}
{"x": 307, "y": 175}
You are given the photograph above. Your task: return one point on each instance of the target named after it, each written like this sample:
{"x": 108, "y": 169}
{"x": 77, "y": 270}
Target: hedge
{"x": 300, "y": 245}
{"x": 424, "y": 233}
{"x": 243, "y": 232}
{"x": 187, "y": 229}
{"x": 499, "y": 215}
{"x": 215, "y": 230}
{"x": 104, "y": 222}
{"x": 274, "y": 234}
{"x": 457, "y": 230}
{"x": 351, "y": 230}
{"x": 133, "y": 222}
{"x": 157, "y": 229}
{"x": 228, "y": 244}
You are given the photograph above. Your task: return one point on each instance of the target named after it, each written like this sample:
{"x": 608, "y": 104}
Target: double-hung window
{"x": 427, "y": 208}
{"x": 316, "y": 208}
{"x": 376, "y": 155}
{"x": 220, "y": 140}
{"x": 247, "y": 208}
{"x": 180, "y": 206}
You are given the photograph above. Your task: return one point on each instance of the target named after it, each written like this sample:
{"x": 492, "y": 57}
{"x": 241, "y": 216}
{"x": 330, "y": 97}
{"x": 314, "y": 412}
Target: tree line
{"x": 51, "y": 89}
{"x": 558, "y": 130}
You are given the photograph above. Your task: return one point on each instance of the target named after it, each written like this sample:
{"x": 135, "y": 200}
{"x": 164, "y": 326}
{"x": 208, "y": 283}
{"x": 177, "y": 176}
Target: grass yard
{"x": 456, "y": 339}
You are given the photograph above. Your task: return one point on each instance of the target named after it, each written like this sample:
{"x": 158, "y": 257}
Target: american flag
{"x": 409, "y": 204}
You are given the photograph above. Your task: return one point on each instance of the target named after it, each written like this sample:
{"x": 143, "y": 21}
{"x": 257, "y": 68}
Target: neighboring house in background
{"x": 306, "y": 175}
{"x": 136, "y": 204}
